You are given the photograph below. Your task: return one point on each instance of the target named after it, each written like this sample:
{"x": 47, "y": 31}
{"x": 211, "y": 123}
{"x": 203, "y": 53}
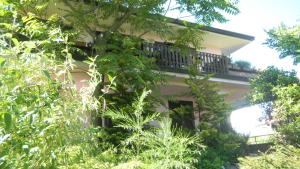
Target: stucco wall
{"x": 80, "y": 79}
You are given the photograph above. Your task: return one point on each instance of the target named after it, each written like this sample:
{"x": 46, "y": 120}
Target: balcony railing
{"x": 176, "y": 60}
{"x": 168, "y": 57}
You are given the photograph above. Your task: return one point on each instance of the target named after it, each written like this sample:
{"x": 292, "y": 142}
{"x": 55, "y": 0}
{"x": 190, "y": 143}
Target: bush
{"x": 223, "y": 148}
{"x": 40, "y": 118}
{"x": 278, "y": 157}
{"x": 287, "y": 114}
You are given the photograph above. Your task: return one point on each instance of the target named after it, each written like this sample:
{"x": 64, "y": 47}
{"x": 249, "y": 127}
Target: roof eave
{"x": 212, "y": 29}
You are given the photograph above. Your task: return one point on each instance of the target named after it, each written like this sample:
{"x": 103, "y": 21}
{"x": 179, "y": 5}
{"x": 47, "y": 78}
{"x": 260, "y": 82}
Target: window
{"x": 182, "y": 114}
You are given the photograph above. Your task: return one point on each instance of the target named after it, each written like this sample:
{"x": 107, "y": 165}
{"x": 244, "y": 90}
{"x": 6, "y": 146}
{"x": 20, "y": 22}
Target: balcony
{"x": 172, "y": 59}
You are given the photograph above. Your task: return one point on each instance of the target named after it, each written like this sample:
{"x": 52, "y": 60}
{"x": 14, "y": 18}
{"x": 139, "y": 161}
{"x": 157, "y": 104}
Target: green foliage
{"x": 262, "y": 86}
{"x": 207, "y": 11}
{"x": 243, "y": 64}
{"x": 285, "y": 40}
{"x": 132, "y": 70}
{"x": 155, "y": 147}
{"x": 286, "y": 152}
{"x": 223, "y": 147}
{"x": 207, "y": 96}
{"x": 45, "y": 122}
{"x": 287, "y": 114}
{"x": 278, "y": 157}
{"x": 40, "y": 117}
{"x": 281, "y": 89}
{"x": 120, "y": 56}
{"x": 223, "y": 144}
{"x": 42, "y": 126}
{"x": 183, "y": 116}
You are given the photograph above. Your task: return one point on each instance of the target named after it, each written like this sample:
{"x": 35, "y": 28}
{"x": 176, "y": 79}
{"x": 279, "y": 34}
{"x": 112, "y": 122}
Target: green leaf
{"x": 15, "y": 41}
{"x": 110, "y": 78}
{"x": 30, "y": 44}
{"x": 2, "y": 62}
{"x": 47, "y": 74}
{"x": 7, "y": 120}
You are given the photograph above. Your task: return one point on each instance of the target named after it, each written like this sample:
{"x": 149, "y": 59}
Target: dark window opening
{"x": 182, "y": 114}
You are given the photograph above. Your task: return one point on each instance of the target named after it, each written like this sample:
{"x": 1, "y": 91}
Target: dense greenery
{"x": 287, "y": 114}
{"x": 263, "y": 84}
{"x": 278, "y": 157}
{"x": 286, "y": 152}
{"x": 223, "y": 144}
{"x": 45, "y": 122}
{"x": 281, "y": 89}
{"x": 44, "y": 125}
{"x": 285, "y": 40}
{"x": 40, "y": 121}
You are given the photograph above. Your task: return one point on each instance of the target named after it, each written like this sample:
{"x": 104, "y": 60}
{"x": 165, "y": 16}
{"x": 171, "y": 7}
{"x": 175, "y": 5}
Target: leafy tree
{"x": 42, "y": 118}
{"x": 223, "y": 144}
{"x": 287, "y": 113}
{"x": 279, "y": 91}
{"x": 42, "y": 41}
{"x": 152, "y": 147}
{"x": 285, "y": 40}
{"x": 143, "y": 17}
{"x": 120, "y": 55}
{"x": 45, "y": 122}
{"x": 117, "y": 52}
{"x": 263, "y": 84}
{"x": 243, "y": 64}
{"x": 286, "y": 152}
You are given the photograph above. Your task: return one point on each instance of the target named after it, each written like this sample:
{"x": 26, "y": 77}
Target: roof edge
{"x": 212, "y": 29}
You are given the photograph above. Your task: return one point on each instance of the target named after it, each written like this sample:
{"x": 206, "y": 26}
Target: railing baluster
{"x": 213, "y": 59}
{"x": 222, "y": 70}
{"x": 206, "y": 63}
{"x": 179, "y": 57}
{"x": 174, "y": 64}
{"x": 163, "y": 56}
{"x": 214, "y": 63}
{"x": 168, "y": 57}
{"x": 210, "y": 62}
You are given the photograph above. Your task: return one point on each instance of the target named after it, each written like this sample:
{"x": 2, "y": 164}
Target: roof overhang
{"x": 227, "y": 41}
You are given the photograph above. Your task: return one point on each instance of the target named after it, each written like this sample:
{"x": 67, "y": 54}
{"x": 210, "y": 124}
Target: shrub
{"x": 278, "y": 157}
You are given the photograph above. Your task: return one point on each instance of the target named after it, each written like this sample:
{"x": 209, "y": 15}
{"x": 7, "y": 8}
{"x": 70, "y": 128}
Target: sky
{"x": 255, "y": 17}
{"x": 248, "y": 121}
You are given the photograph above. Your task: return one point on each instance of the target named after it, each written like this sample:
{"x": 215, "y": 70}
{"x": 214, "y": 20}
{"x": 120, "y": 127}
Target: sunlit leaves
{"x": 278, "y": 157}
{"x": 287, "y": 113}
{"x": 162, "y": 147}
{"x": 208, "y": 11}
{"x": 262, "y": 86}
{"x": 286, "y": 40}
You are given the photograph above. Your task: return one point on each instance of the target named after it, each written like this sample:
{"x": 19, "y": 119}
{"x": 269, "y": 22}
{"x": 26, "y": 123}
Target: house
{"x": 217, "y": 46}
